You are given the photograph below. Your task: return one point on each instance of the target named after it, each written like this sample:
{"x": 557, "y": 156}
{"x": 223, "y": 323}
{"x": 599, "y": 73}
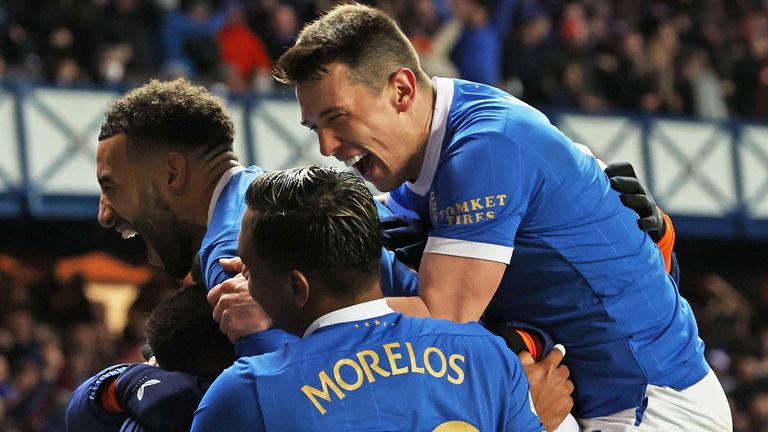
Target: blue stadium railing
{"x": 711, "y": 176}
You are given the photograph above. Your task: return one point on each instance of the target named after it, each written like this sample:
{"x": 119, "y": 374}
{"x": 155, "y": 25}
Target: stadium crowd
{"x": 708, "y": 59}
{"x": 52, "y": 338}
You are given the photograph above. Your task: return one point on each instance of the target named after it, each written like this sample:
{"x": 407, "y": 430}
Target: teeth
{"x": 127, "y": 234}
{"x": 353, "y": 160}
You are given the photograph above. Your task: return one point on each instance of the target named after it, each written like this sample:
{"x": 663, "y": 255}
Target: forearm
{"x": 85, "y": 410}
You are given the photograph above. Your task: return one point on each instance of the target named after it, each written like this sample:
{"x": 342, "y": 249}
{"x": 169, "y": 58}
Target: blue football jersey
{"x": 220, "y": 240}
{"x": 381, "y": 373}
{"x": 499, "y": 177}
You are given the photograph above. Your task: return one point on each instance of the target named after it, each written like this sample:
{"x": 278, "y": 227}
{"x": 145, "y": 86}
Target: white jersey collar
{"x": 361, "y": 311}
{"x": 220, "y": 187}
{"x": 443, "y": 101}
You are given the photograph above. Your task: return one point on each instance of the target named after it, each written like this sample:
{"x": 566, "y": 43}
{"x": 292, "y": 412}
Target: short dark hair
{"x": 170, "y": 115}
{"x": 184, "y": 337}
{"x": 320, "y": 221}
{"x": 365, "y": 39}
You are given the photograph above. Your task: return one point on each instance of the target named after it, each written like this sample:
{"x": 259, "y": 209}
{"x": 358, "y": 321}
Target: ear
{"x": 175, "y": 176}
{"x": 403, "y": 82}
{"x": 299, "y": 288}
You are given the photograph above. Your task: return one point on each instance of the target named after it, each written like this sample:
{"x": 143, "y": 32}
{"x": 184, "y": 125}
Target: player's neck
{"x": 323, "y": 304}
{"x": 423, "y": 128}
{"x": 204, "y": 174}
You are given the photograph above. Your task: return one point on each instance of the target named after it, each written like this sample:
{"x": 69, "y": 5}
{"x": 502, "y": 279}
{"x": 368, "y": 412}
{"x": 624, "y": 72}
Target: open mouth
{"x": 126, "y": 231}
{"x": 362, "y": 163}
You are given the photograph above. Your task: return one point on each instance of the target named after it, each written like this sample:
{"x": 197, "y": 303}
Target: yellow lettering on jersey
{"x": 366, "y": 362}
{"x": 337, "y": 374}
{"x": 459, "y": 378}
{"x": 439, "y": 372}
{"x": 414, "y": 367}
{"x": 373, "y": 365}
{"x": 469, "y": 212}
{"x": 312, "y": 393}
{"x": 393, "y": 357}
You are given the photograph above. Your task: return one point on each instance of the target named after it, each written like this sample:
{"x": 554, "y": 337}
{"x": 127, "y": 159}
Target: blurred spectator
{"x": 125, "y": 36}
{"x": 530, "y": 52}
{"x": 434, "y": 52}
{"x": 243, "y": 52}
{"x": 59, "y": 64}
{"x": 284, "y": 26}
{"x": 703, "y": 86}
{"x": 477, "y": 53}
{"x": 574, "y": 68}
{"x": 662, "y": 49}
{"x": 751, "y": 70}
{"x": 188, "y": 39}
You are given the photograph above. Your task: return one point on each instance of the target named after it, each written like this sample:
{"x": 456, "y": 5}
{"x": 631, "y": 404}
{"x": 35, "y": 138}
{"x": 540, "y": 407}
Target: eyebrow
{"x": 325, "y": 113}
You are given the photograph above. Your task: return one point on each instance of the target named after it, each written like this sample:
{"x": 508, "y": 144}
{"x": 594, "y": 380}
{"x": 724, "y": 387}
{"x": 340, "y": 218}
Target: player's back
{"x": 581, "y": 270}
{"x": 393, "y": 373}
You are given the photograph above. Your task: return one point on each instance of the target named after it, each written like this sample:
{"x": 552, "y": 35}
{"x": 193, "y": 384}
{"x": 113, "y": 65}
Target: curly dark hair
{"x": 173, "y": 115}
{"x": 361, "y": 37}
{"x": 184, "y": 337}
{"x": 320, "y": 221}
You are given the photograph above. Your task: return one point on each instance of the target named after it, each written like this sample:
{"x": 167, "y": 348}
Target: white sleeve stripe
{"x": 397, "y": 208}
{"x": 468, "y": 249}
{"x": 586, "y": 150}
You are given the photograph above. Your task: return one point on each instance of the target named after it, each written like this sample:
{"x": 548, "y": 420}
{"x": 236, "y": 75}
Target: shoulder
{"x": 434, "y": 326}
{"x": 235, "y": 380}
{"x": 482, "y": 112}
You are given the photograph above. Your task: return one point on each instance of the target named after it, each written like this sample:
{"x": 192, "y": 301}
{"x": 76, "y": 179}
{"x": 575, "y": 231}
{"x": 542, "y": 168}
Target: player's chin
{"x": 381, "y": 180}
{"x": 174, "y": 265}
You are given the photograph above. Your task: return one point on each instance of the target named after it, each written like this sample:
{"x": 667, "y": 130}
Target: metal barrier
{"x": 711, "y": 176}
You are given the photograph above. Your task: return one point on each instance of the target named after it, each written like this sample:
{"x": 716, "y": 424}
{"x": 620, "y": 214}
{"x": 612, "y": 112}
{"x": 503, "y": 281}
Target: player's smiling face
{"x": 131, "y": 204}
{"x": 355, "y": 125}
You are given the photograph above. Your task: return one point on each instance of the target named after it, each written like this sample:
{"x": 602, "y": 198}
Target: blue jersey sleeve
{"x": 224, "y": 246}
{"x": 674, "y": 270}
{"x": 403, "y": 201}
{"x": 231, "y": 404}
{"x": 482, "y": 191}
{"x": 84, "y": 410}
{"x": 267, "y": 341}
{"x": 397, "y": 280}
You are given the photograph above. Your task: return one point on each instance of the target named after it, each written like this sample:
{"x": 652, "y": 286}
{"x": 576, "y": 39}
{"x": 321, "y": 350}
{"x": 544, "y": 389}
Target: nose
{"x": 107, "y": 215}
{"x": 329, "y": 144}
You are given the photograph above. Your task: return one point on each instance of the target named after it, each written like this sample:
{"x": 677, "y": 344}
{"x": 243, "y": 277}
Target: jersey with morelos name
{"x": 368, "y": 369}
{"x": 498, "y": 176}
